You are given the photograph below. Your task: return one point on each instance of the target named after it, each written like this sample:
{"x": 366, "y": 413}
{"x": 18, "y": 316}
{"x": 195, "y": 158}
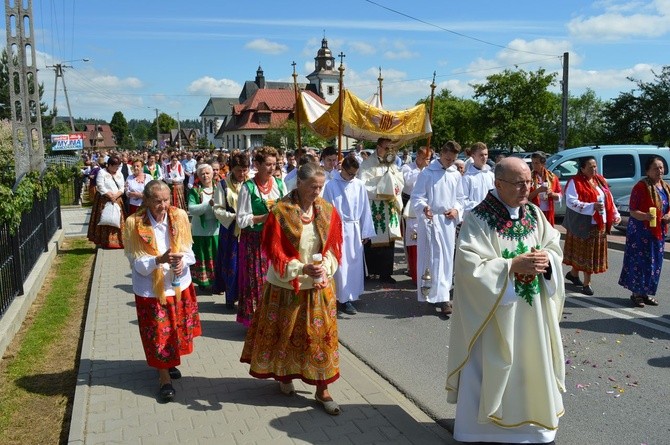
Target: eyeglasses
{"x": 519, "y": 184}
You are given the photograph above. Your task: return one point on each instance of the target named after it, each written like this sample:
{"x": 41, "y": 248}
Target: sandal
{"x": 330, "y": 406}
{"x": 287, "y": 388}
{"x": 638, "y": 300}
{"x": 649, "y": 300}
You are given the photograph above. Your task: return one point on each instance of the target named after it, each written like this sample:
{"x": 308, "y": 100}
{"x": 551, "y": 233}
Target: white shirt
{"x": 144, "y": 266}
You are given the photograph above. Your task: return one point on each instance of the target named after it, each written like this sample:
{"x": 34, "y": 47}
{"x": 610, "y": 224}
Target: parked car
{"x": 622, "y": 206}
{"x": 621, "y": 165}
{"x": 525, "y": 155}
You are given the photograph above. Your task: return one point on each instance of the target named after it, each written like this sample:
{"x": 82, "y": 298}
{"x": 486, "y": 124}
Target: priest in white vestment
{"x": 348, "y": 195}
{"x": 383, "y": 182}
{"x": 435, "y": 202}
{"x": 505, "y": 368}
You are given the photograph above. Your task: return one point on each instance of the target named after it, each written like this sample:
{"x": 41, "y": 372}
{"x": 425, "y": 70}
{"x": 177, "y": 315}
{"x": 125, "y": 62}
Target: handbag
{"x": 386, "y": 187}
{"x": 111, "y": 215}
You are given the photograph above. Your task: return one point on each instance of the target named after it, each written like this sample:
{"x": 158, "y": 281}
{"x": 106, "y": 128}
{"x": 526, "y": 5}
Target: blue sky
{"x": 174, "y": 55}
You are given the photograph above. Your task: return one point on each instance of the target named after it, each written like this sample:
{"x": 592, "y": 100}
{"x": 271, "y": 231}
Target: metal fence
{"x": 20, "y": 251}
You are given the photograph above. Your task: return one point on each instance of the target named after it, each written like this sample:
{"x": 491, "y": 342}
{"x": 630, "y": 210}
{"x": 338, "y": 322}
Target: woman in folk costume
{"x": 110, "y": 188}
{"x": 256, "y": 198}
{"x": 158, "y": 245}
{"x": 645, "y": 236}
{"x": 152, "y": 169}
{"x": 589, "y": 216}
{"x": 546, "y": 189}
{"x": 204, "y": 228}
{"x": 294, "y": 331}
{"x": 225, "y": 208}
{"x": 174, "y": 176}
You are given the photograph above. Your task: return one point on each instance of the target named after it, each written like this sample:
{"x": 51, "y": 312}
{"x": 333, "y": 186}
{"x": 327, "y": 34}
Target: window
{"x": 331, "y": 90}
{"x": 263, "y": 118}
{"x": 567, "y": 169}
{"x": 618, "y": 166}
{"x": 643, "y": 161}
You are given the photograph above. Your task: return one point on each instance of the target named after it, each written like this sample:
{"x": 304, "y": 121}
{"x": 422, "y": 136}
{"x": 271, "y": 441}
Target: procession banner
{"x": 364, "y": 121}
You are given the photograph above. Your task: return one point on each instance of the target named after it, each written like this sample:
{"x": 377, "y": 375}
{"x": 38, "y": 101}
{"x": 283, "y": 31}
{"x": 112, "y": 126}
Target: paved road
{"x": 617, "y": 390}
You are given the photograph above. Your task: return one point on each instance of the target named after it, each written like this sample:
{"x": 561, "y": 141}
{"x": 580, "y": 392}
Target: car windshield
{"x": 553, "y": 160}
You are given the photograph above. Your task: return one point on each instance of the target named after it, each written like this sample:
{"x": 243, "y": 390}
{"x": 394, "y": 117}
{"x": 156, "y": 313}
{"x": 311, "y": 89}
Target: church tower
{"x": 325, "y": 76}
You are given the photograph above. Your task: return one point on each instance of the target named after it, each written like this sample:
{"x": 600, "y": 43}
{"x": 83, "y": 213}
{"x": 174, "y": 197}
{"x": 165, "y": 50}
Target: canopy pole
{"x": 297, "y": 106}
{"x": 341, "y": 108}
{"x": 380, "y": 79}
{"x": 432, "y": 103}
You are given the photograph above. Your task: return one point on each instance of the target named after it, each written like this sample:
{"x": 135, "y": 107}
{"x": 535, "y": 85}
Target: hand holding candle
{"x": 652, "y": 212}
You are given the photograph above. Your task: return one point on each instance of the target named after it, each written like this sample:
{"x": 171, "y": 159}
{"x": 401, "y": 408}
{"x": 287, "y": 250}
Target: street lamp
{"x": 58, "y": 68}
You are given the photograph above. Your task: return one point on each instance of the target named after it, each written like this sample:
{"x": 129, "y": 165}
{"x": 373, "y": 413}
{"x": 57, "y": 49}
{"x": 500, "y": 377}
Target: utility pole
{"x": 58, "y": 68}
{"x": 24, "y": 89}
{"x": 564, "y": 105}
{"x": 158, "y": 132}
{"x": 178, "y": 131}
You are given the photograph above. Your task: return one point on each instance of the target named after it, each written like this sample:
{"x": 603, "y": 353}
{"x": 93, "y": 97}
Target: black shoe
{"x": 575, "y": 279}
{"x": 349, "y": 308}
{"x": 175, "y": 374}
{"x": 387, "y": 279}
{"x": 586, "y": 290}
{"x": 230, "y": 306}
{"x": 166, "y": 392}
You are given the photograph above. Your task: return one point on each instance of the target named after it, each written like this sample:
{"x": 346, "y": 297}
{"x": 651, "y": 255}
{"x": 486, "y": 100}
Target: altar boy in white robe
{"x": 435, "y": 202}
{"x": 348, "y": 195}
{"x": 505, "y": 369}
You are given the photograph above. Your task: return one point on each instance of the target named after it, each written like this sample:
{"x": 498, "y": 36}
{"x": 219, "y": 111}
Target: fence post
{"x": 16, "y": 254}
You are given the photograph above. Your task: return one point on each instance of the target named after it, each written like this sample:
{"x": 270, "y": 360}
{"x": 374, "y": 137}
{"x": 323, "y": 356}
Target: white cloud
{"x": 623, "y": 20}
{"x": 215, "y": 87}
{"x": 362, "y": 48}
{"x": 399, "y": 51}
{"x": 611, "y": 80}
{"x": 115, "y": 83}
{"x": 266, "y": 47}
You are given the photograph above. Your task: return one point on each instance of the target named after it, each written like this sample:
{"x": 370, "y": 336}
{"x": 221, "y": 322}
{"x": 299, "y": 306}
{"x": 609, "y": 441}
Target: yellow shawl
{"x": 139, "y": 240}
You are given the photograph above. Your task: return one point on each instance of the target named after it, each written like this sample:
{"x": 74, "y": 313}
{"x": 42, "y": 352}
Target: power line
{"x": 395, "y": 11}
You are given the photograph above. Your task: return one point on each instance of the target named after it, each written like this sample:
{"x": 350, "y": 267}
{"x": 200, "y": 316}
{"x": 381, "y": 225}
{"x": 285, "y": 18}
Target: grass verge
{"x": 38, "y": 372}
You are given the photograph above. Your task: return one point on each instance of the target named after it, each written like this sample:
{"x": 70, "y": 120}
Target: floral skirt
{"x": 106, "y": 236}
{"x": 642, "y": 260}
{"x": 253, "y": 266}
{"x": 225, "y": 279}
{"x": 586, "y": 255}
{"x": 167, "y": 332}
{"x": 294, "y": 336}
{"x": 204, "y": 248}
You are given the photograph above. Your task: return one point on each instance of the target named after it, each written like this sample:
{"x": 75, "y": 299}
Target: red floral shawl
{"x": 280, "y": 238}
{"x": 647, "y": 197}
{"x": 588, "y": 193}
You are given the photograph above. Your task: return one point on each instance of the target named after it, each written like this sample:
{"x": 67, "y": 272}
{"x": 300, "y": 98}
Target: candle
{"x": 652, "y": 211}
{"x": 317, "y": 259}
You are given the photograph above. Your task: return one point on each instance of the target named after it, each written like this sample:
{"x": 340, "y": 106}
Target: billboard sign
{"x": 63, "y": 142}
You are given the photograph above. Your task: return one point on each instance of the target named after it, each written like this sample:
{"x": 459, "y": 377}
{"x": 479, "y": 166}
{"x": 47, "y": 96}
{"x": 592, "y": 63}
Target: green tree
{"x": 586, "y": 120}
{"x": 119, "y": 127}
{"x": 165, "y": 124}
{"x": 517, "y": 109}
{"x": 285, "y": 136}
{"x": 453, "y": 119}
{"x": 641, "y": 115}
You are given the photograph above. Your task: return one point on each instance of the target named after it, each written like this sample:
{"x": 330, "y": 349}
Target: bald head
{"x": 513, "y": 181}
{"x": 510, "y": 165}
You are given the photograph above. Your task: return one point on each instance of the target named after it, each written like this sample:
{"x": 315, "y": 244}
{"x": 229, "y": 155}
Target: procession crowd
{"x": 290, "y": 239}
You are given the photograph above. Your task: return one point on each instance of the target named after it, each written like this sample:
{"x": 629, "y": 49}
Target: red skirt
{"x": 167, "y": 332}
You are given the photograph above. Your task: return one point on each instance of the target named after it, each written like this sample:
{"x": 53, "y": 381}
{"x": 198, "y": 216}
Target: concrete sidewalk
{"x": 217, "y": 401}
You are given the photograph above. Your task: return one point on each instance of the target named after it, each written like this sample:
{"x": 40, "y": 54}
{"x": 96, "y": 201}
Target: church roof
{"x": 219, "y": 106}
{"x": 278, "y": 103}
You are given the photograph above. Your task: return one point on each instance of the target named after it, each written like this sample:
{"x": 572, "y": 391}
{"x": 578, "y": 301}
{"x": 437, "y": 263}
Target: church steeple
{"x": 324, "y": 59}
{"x": 260, "y": 78}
